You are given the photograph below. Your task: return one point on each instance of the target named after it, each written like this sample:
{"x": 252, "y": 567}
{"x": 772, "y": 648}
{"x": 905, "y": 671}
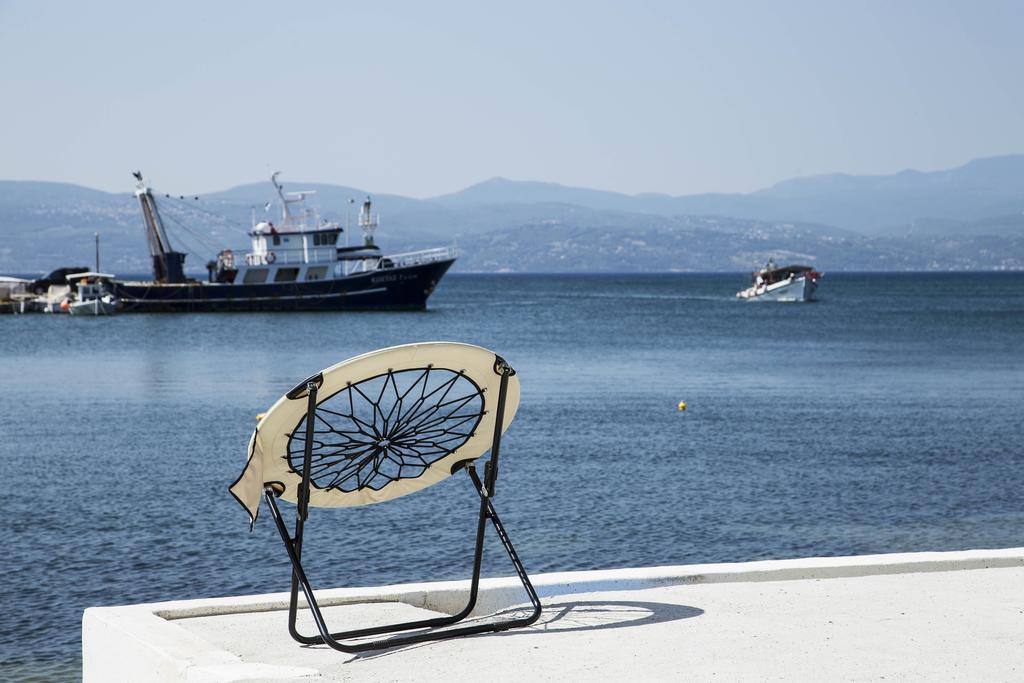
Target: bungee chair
{"x": 374, "y": 428}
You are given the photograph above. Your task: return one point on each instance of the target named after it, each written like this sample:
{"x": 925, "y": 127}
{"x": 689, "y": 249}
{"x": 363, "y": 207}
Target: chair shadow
{"x": 564, "y": 617}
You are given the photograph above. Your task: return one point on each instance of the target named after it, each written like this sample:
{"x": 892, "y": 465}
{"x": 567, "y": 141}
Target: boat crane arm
{"x": 168, "y": 264}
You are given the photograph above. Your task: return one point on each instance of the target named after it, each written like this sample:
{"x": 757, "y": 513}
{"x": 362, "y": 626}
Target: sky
{"x": 426, "y": 98}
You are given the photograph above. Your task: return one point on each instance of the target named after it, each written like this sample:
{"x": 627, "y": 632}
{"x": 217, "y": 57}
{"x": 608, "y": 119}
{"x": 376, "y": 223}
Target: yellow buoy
{"x": 682, "y": 405}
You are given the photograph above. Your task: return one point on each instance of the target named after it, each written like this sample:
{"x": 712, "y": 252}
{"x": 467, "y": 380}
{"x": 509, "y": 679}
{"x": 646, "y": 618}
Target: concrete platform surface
{"x": 918, "y": 616}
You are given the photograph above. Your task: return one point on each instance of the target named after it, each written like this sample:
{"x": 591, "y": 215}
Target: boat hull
{"x": 798, "y": 289}
{"x": 93, "y": 308}
{"x": 397, "y": 289}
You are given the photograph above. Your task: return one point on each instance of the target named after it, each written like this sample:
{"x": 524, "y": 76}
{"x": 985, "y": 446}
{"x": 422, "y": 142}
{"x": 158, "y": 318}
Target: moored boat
{"x": 93, "y": 295}
{"x": 50, "y": 292}
{"x": 785, "y": 283}
{"x": 295, "y": 265}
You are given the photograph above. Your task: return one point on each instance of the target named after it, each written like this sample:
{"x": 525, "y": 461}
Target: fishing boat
{"x": 785, "y": 283}
{"x": 92, "y": 296}
{"x": 294, "y": 265}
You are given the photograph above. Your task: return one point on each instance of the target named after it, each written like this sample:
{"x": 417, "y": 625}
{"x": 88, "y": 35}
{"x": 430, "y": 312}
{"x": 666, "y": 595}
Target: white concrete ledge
{"x": 159, "y": 641}
{"x": 449, "y": 596}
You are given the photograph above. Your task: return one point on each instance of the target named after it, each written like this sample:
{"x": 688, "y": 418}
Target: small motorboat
{"x": 92, "y": 295}
{"x": 785, "y": 283}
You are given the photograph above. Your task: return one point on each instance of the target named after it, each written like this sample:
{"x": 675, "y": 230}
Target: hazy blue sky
{"x": 423, "y": 98}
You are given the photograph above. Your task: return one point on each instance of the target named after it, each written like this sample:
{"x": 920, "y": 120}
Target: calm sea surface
{"x": 887, "y": 417}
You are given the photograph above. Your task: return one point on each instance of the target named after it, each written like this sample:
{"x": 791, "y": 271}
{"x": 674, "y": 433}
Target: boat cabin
{"x": 301, "y": 247}
{"x": 771, "y": 273}
{"x": 90, "y": 284}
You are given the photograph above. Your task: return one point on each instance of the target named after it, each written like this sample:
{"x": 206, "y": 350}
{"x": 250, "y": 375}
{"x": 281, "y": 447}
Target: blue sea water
{"x": 886, "y": 417}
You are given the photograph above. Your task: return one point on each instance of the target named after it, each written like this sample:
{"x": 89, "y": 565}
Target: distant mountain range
{"x": 970, "y": 217}
{"x": 983, "y": 196}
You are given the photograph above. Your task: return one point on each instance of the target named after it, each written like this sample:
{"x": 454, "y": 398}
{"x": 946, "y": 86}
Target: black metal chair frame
{"x": 485, "y": 489}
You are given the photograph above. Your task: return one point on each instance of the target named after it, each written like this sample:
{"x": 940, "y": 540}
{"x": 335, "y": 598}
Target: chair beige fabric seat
{"x": 388, "y": 423}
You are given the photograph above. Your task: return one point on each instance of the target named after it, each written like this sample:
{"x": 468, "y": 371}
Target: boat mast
{"x": 368, "y": 222}
{"x": 289, "y": 198}
{"x": 285, "y": 215}
{"x": 168, "y": 265}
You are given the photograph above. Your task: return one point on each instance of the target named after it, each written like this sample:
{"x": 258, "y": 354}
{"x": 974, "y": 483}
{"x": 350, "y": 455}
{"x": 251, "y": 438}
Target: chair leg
{"x": 506, "y": 542}
{"x": 423, "y": 623}
{"x": 333, "y": 640}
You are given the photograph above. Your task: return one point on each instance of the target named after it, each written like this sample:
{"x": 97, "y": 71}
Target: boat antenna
{"x": 348, "y": 217}
{"x": 97, "y": 236}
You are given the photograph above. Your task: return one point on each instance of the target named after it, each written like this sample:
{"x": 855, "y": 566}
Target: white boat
{"x": 785, "y": 283}
{"x": 92, "y": 295}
